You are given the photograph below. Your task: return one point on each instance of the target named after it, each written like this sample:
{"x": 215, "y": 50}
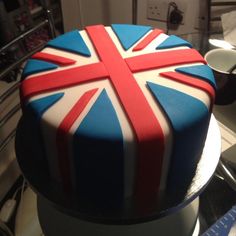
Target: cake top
{"x": 115, "y": 84}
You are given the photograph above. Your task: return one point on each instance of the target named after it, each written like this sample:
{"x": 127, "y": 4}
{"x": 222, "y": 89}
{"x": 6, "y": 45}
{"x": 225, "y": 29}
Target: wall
{"x": 106, "y": 11}
{"x": 189, "y": 18}
{"x": 79, "y": 13}
{"x": 191, "y": 29}
{"x": 71, "y": 14}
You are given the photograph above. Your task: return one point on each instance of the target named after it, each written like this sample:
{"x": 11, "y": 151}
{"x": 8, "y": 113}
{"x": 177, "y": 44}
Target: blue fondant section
{"x": 201, "y": 71}
{"x": 173, "y": 41}
{"x": 128, "y": 35}
{"x": 98, "y": 147}
{"x": 40, "y": 105}
{"x": 36, "y": 66}
{"x": 189, "y": 119}
{"x": 32, "y": 116}
{"x": 33, "y": 136}
{"x": 72, "y": 42}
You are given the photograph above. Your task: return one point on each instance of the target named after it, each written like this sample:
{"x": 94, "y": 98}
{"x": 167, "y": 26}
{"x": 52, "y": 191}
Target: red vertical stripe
{"x": 148, "y": 39}
{"x": 146, "y": 126}
{"x": 62, "y": 135}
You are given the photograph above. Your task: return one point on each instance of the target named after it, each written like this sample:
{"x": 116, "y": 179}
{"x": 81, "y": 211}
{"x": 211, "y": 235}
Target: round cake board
{"x": 54, "y": 222}
{"x": 34, "y": 171}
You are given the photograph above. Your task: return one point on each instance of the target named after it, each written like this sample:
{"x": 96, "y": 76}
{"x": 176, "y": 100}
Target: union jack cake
{"x": 122, "y": 111}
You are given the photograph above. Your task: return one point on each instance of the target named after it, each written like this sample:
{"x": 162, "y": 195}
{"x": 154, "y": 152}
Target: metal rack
{"x": 217, "y": 4}
{"x": 3, "y": 97}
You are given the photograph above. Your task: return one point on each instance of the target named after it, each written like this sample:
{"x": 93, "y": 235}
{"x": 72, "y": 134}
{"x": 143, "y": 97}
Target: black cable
{"x": 167, "y": 19}
{"x": 171, "y": 4}
{"x": 175, "y": 7}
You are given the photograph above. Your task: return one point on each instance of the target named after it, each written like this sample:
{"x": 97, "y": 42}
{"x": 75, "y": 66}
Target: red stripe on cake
{"x": 62, "y": 136}
{"x": 62, "y": 61}
{"x": 191, "y": 81}
{"x": 148, "y": 39}
{"x": 118, "y": 70}
{"x": 62, "y": 79}
{"x": 162, "y": 59}
{"x": 146, "y": 126}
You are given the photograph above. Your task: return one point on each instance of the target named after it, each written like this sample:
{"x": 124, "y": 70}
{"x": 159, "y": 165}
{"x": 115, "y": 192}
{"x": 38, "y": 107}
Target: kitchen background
{"x": 195, "y": 20}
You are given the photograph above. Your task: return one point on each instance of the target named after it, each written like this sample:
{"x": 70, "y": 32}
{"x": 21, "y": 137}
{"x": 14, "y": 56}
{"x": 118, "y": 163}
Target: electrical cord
{"x": 9, "y": 205}
{"x": 176, "y": 12}
{"x": 4, "y": 230}
{"x": 21, "y": 195}
{"x": 227, "y": 173}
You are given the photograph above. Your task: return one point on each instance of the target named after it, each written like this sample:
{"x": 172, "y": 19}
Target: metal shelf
{"x": 8, "y": 93}
{"x": 49, "y": 21}
{"x": 226, "y": 3}
{"x": 8, "y": 139}
{"x": 8, "y": 116}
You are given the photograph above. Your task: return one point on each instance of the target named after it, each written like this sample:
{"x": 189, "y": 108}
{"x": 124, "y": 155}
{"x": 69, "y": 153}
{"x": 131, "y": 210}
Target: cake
{"x": 122, "y": 112}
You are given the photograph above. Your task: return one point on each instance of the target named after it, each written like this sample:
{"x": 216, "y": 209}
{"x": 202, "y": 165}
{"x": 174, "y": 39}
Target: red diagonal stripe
{"x": 145, "y": 124}
{"x": 62, "y": 135}
{"x": 162, "y": 59}
{"x": 148, "y": 39}
{"x": 62, "y": 79}
{"x": 191, "y": 81}
{"x": 62, "y": 61}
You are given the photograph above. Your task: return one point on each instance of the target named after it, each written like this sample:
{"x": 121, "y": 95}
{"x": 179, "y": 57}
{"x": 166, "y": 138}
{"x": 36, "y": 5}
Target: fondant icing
{"x": 40, "y": 105}
{"x": 147, "y": 40}
{"x": 189, "y": 132}
{"x": 63, "y": 130}
{"x": 129, "y": 34}
{"x": 98, "y": 145}
{"x": 35, "y": 66}
{"x": 72, "y": 42}
{"x": 194, "y": 82}
{"x": 201, "y": 71}
{"x": 173, "y": 41}
{"x": 119, "y": 130}
{"x": 62, "y": 61}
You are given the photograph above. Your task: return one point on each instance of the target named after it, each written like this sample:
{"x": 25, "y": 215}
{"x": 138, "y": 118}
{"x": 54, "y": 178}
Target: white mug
{"x": 222, "y": 62}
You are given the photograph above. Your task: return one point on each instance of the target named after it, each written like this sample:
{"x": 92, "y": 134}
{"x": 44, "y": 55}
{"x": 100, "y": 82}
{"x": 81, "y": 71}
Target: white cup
{"x": 221, "y": 62}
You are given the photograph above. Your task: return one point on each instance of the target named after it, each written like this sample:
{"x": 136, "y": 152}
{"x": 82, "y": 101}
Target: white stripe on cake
{"x": 55, "y": 114}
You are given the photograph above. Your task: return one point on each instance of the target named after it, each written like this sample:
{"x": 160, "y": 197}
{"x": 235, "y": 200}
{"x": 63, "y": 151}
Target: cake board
{"x": 50, "y": 192}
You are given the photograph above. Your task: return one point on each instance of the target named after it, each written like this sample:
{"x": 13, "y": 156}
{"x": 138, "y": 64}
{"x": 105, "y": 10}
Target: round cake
{"x": 122, "y": 112}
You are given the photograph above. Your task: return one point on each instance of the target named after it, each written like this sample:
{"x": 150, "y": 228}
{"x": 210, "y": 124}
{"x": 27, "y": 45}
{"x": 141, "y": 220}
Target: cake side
{"x": 118, "y": 135}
